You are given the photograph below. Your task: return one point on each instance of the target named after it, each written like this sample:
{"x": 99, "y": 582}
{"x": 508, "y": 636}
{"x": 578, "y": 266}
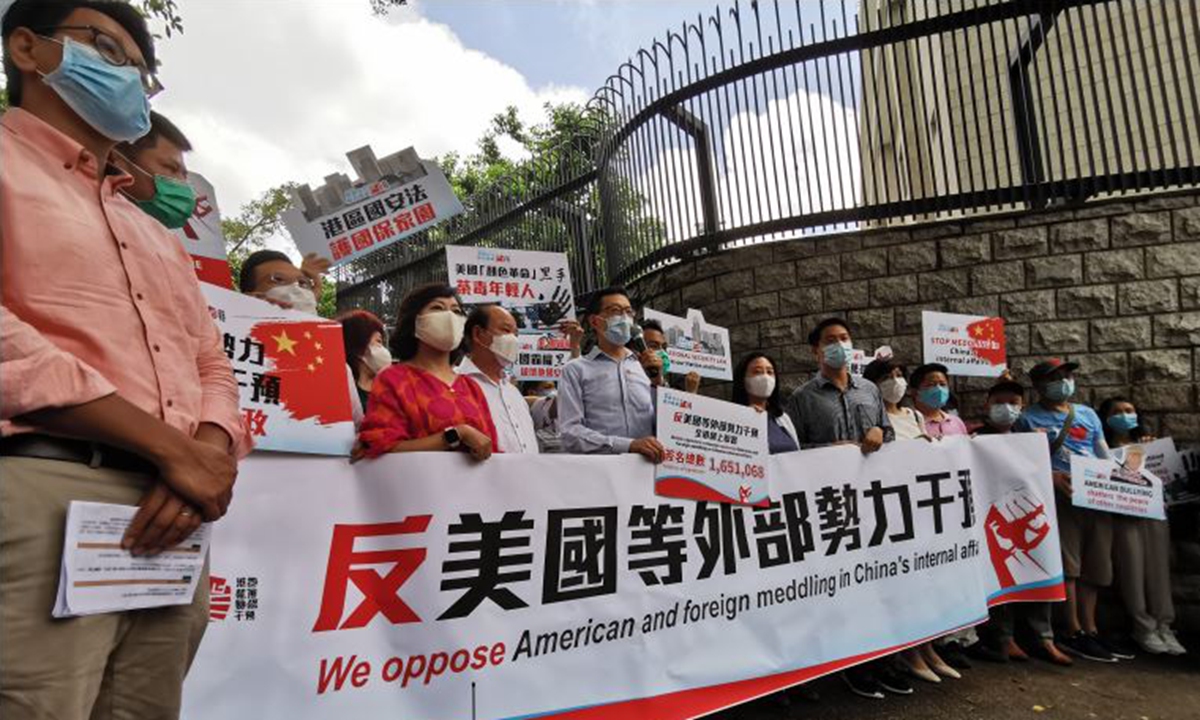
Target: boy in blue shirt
{"x": 1086, "y": 535}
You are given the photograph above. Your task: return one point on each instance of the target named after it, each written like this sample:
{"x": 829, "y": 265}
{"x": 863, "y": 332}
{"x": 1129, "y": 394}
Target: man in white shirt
{"x": 491, "y": 336}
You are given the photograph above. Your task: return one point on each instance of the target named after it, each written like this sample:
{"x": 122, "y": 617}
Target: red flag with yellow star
{"x": 309, "y": 361}
{"x": 987, "y": 340}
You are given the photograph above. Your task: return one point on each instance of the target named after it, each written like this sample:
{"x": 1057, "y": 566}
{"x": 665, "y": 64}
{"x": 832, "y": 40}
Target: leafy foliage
{"x": 258, "y": 220}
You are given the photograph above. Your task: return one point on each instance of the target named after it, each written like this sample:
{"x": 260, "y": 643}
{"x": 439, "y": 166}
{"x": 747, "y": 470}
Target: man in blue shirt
{"x": 605, "y": 399}
{"x": 1086, "y": 535}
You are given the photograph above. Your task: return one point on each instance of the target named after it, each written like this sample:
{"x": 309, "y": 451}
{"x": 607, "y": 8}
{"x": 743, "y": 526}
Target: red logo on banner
{"x": 349, "y": 566}
{"x": 219, "y": 597}
{"x": 988, "y": 340}
{"x": 312, "y": 378}
{"x": 1015, "y": 539}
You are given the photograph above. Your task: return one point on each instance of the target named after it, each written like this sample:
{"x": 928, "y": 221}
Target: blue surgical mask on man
{"x": 934, "y": 396}
{"x": 618, "y": 329}
{"x": 1123, "y": 422}
{"x": 1060, "y": 390}
{"x": 837, "y": 354}
{"x": 111, "y": 99}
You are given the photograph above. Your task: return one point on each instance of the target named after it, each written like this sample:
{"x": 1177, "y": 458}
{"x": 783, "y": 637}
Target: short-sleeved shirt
{"x": 408, "y": 403}
{"x": 908, "y": 424}
{"x": 1085, "y": 436}
{"x": 948, "y": 425}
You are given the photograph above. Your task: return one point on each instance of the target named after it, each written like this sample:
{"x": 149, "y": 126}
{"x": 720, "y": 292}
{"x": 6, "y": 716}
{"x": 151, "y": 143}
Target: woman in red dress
{"x": 421, "y": 404}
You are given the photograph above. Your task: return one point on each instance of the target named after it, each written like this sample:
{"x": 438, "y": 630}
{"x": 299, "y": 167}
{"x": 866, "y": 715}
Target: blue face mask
{"x": 1060, "y": 390}
{"x": 109, "y": 98}
{"x": 618, "y": 329}
{"x": 935, "y": 396}
{"x": 1123, "y": 422}
{"x": 837, "y": 355}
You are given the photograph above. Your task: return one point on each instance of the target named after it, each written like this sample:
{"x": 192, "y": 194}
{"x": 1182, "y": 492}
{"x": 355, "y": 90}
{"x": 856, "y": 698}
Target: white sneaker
{"x": 1167, "y": 636}
{"x": 1152, "y": 643}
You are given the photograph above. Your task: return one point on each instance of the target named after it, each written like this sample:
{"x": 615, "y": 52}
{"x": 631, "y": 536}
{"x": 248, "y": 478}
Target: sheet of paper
{"x": 98, "y": 576}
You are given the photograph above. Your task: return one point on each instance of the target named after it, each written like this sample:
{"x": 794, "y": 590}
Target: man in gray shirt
{"x": 605, "y": 399}
{"x": 836, "y": 407}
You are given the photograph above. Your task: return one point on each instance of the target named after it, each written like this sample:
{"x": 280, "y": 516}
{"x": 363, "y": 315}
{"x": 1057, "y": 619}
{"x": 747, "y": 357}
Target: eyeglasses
{"x": 113, "y": 53}
{"x": 281, "y": 279}
{"x": 615, "y": 310}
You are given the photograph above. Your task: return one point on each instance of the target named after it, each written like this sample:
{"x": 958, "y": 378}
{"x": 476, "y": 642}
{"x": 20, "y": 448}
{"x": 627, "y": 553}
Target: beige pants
{"x": 116, "y": 666}
{"x": 1143, "y": 566}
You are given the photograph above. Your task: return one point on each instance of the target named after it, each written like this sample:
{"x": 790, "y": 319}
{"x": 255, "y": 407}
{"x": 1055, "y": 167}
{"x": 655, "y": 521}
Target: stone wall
{"x": 1114, "y": 286}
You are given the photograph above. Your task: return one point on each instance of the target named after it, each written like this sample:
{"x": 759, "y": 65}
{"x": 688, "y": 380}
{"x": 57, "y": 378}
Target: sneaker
{"x": 893, "y": 682}
{"x": 1085, "y": 646}
{"x": 863, "y": 684}
{"x": 953, "y": 655}
{"x": 1174, "y": 647}
{"x": 1152, "y": 643}
{"x": 1117, "y": 647}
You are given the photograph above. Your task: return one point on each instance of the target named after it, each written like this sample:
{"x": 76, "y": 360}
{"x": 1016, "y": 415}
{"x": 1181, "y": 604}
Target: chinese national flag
{"x": 989, "y": 329}
{"x": 310, "y": 362}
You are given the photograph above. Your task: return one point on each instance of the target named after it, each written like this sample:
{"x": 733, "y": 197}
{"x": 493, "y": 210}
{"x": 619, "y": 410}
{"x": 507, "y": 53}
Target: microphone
{"x": 637, "y": 339}
{"x": 637, "y": 343}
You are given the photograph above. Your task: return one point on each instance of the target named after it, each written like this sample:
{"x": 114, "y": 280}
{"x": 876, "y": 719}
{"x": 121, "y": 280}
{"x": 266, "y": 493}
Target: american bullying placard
{"x": 291, "y": 374}
{"x": 714, "y": 450}
{"x": 427, "y": 586}
{"x": 965, "y": 344}
{"x": 1125, "y": 487}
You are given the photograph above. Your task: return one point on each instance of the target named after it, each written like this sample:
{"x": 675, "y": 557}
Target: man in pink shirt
{"x": 114, "y": 386}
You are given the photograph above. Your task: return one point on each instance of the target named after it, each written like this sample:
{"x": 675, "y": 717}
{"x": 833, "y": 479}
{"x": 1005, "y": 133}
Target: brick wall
{"x": 1114, "y": 286}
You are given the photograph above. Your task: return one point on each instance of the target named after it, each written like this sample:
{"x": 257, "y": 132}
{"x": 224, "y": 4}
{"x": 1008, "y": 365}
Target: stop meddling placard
{"x": 965, "y": 344}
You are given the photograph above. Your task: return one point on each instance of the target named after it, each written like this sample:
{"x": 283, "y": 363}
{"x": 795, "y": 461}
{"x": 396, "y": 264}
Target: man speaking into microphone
{"x": 605, "y": 398}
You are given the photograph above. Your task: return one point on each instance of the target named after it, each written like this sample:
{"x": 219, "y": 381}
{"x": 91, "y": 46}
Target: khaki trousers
{"x": 1143, "y": 566}
{"x": 116, "y": 666}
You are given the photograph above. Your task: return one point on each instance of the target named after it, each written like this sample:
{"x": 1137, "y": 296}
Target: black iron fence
{"x": 776, "y": 120}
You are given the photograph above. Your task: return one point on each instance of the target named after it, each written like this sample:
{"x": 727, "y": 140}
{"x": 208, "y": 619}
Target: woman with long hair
{"x": 366, "y": 353}
{"x": 755, "y": 385}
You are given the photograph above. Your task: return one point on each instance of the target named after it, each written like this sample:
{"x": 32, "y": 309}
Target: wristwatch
{"x": 452, "y": 438}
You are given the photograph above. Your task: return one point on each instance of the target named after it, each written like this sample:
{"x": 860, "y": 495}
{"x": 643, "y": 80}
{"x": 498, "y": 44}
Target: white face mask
{"x": 441, "y": 329}
{"x": 377, "y": 358}
{"x": 300, "y": 299}
{"x": 760, "y": 386}
{"x": 505, "y": 348}
{"x": 893, "y": 389}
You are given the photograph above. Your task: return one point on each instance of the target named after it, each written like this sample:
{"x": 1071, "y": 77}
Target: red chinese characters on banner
{"x": 304, "y": 369}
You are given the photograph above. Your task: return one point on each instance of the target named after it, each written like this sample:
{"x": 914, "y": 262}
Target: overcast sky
{"x": 273, "y": 90}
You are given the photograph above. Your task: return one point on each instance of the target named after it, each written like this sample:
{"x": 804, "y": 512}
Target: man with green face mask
{"x": 155, "y": 161}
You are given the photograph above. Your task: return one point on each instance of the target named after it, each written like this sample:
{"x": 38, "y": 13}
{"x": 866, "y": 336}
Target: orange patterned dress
{"x": 408, "y": 403}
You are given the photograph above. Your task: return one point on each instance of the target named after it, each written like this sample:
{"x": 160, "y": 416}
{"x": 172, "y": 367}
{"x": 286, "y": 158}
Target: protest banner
{"x": 713, "y": 450}
{"x": 534, "y": 286}
{"x": 1124, "y": 488}
{"x": 291, "y": 373}
{"x": 970, "y": 345}
{"x": 695, "y": 346}
{"x": 202, "y": 237}
{"x": 341, "y": 221}
{"x": 378, "y": 590}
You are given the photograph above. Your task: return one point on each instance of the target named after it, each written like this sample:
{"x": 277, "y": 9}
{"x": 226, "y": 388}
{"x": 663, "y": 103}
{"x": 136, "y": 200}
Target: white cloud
{"x": 279, "y": 91}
